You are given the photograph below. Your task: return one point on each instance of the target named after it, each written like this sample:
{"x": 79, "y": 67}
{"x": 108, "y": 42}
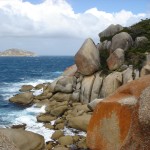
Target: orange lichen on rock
{"x": 115, "y": 121}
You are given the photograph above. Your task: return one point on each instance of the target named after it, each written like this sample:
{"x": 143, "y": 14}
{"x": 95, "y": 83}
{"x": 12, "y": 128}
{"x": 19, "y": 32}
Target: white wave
{"x": 37, "y": 92}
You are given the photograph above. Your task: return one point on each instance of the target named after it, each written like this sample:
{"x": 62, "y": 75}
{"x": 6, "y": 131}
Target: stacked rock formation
{"x": 94, "y": 83}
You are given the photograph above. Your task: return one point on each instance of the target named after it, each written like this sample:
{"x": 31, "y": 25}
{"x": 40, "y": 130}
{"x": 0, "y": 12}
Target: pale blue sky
{"x": 59, "y": 27}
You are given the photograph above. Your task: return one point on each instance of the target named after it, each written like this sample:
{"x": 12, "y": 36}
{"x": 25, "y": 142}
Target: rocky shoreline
{"x": 100, "y": 95}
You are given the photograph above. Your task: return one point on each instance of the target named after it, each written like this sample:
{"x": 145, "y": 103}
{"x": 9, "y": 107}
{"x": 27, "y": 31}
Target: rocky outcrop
{"x": 87, "y": 58}
{"x": 121, "y": 121}
{"x": 116, "y": 59}
{"x": 122, "y": 40}
{"x": 23, "y": 140}
{"x": 110, "y": 30}
{"x": 23, "y": 98}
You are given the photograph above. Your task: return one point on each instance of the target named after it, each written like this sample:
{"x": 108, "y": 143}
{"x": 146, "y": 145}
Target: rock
{"x": 45, "y": 118}
{"x": 96, "y": 86}
{"x": 128, "y": 74}
{"x": 39, "y": 86}
{"x": 53, "y": 84}
{"x": 70, "y": 71}
{"x": 75, "y": 97}
{"x": 65, "y": 84}
{"x": 61, "y": 148}
{"x": 66, "y": 140}
{"x": 122, "y": 40}
{"x": 57, "y": 134}
{"x": 82, "y": 144}
{"x": 26, "y": 88}
{"x": 116, "y": 59}
{"x": 105, "y": 45}
{"x": 49, "y": 126}
{"x": 39, "y": 104}
{"x": 23, "y": 98}
{"x": 60, "y": 97}
{"x": 24, "y": 139}
{"x": 49, "y": 145}
{"x": 119, "y": 121}
{"x": 59, "y": 110}
{"x": 110, "y": 30}
{"x": 145, "y": 70}
{"x": 139, "y": 41}
{"x": 19, "y": 126}
{"x": 111, "y": 83}
{"x": 59, "y": 126}
{"x": 79, "y": 122}
{"x": 87, "y": 58}
{"x": 6, "y": 143}
{"x": 144, "y": 109}
{"x": 92, "y": 105}
{"x": 86, "y": 88}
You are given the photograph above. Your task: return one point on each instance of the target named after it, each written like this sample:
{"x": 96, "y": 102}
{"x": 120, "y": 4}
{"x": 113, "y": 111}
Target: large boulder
{"x": 87, "y": 58}
{"x": 6, "y": 143}
{"x": 86, "y": 88}
{"x": 105, "y": 45}
{"x": 97, "y": 84}
{"x": 65, "y": 84}
{"x": 122, "y": 40}
{"x": 127, "y": 74}
{"x": 23, "y": 98}
{"x": 24, "y": 140}
{"x": 145, "y": 70}
{"x": 110, "y": 30}
{"x": 116, "y": 59}
{"x": 79, "y": 122}
{"x": 70, "y": 71}
{"x": 121, "y": 121}
{"x": 111, "y": 83}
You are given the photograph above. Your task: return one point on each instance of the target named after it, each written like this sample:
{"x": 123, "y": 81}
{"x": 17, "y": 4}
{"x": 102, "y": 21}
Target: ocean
{"x": 18, "y": 71}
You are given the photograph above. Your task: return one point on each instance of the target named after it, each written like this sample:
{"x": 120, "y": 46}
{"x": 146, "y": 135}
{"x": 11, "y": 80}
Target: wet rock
{"x": 57, "y": 134}
{"x": 66, "y": 140}
{"x": 23, "y": 98}
{"x": 26, "y": 88}
{"x": 45, "y": 118}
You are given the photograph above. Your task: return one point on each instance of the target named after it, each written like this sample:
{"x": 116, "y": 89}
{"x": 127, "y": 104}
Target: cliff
{"x": 16, "y": 52}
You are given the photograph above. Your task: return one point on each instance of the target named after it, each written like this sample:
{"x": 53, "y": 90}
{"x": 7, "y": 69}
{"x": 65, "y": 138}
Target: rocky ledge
{"x": 16, "y": 52}
{"x": 105, "y": 93}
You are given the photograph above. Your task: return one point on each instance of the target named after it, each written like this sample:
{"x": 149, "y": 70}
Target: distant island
{"x": 16, "y": 52}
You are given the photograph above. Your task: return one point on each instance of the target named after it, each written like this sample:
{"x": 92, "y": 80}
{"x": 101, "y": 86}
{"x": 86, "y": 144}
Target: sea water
{"x": 18, "y": 71}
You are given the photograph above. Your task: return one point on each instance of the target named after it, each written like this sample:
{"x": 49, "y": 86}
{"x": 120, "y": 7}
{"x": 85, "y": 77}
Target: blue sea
{"x": 18, "y": 71}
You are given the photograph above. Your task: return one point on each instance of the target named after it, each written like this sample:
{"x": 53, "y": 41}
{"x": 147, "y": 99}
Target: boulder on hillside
{"x": 121, "y": 121}
{"x": 65, "y": 84}
{"x": 87, "y": 58}
{"x": 23, "y": 98}
{"x": 111, "y": 83}
{"x": 139, "y": 41}
{"x": 122, "y": 40}
{"x": 116, "y": 59}
{"x": 70, "y": 71}
{"x": 110, "y": 30}
{"x": 86, "y": 88}
{"x": 24, "y": 140}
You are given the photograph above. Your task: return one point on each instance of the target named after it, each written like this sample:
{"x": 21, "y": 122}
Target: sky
{"x": 59, "y": 27}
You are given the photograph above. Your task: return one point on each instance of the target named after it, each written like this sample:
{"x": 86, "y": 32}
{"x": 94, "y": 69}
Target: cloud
{"x": 56, "y": 18}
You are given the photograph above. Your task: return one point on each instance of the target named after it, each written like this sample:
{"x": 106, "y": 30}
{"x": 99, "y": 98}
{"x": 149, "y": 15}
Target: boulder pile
{"x": 104, "y": 81}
